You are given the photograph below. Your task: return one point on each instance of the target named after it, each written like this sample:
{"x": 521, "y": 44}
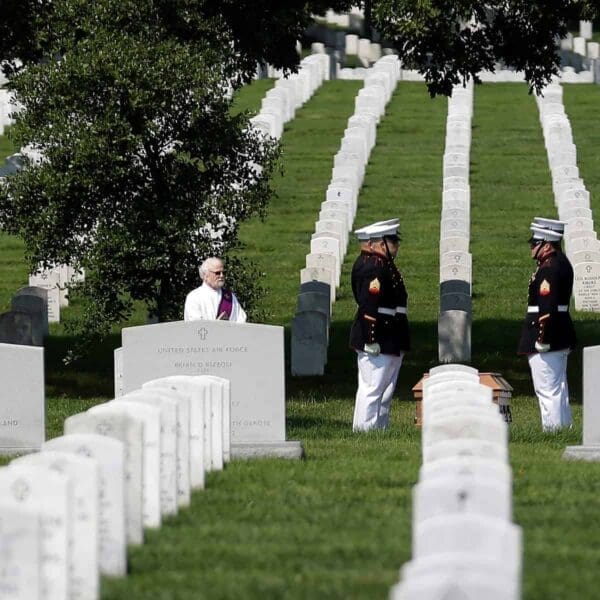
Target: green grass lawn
{"x": 338, "y": 524}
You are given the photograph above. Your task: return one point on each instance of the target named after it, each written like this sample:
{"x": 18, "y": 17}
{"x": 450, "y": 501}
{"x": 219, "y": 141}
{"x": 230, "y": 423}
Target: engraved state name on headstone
{"x": 586, "y": 286}
{"x": 22, "y": 401}
{"x": 250, "y": 356}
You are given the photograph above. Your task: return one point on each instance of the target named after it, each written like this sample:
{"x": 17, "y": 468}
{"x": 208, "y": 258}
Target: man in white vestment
{"x": 212, "y": 300}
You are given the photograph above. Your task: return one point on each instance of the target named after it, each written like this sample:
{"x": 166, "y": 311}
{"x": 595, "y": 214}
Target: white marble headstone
{"x": 200, "y": 425}
{"x": 183, "y": 435}
{"x": 51, "y": 495}
{"x": 466, "y": 422}
{"x": 84, "y": 474}
{"x": 465, "y": 467}
{"x": 109, "y": 455}
{"x": 22, "y": 399}
{"x": 250, "y": 356}
{"x": 20, "y": 549}
{"x": 456, "y": 495}
{"x": 149, "y": 418}
{"x": 465, "y": 447}
{"x": 115, "y": 424}
{"x": 49, "y": 280}
{"x": 470, "y": 532}
{"x": 586, "y": 286}
{"x": 168, "y": 408}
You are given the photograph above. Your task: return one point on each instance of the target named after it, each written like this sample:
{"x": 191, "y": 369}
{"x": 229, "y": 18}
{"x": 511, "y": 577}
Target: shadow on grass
{"x": 90, "y": 377}
{"x": 494, "y": 345}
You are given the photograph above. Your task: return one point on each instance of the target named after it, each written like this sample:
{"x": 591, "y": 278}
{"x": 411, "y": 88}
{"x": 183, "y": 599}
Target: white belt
{"x": 399, "y": 310}
{"x": 536, "y": 309}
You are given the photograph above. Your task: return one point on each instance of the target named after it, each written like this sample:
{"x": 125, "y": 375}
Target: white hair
{"x": 204, "y": 268}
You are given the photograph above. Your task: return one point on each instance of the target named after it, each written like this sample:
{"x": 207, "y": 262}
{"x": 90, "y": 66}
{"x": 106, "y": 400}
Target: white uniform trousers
{"x": 549, "y": 374}
{"x": 377, "y": 377}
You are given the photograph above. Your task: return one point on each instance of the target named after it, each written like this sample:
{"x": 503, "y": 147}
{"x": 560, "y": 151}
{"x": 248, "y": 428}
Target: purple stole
{"x": 226, "y": 304}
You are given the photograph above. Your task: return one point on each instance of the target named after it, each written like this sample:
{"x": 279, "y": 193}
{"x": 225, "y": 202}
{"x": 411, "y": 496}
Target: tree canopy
{"x": 450, "y": 41}
{"x": 144, "y": 169}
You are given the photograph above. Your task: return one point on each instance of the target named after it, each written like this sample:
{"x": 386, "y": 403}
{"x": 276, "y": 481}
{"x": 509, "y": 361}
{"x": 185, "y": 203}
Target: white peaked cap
{"x": 552, "y": 224}
{"x": 364, "y": 233}
{"x": 376, "y": 231}
{"x": 539, "y": 233}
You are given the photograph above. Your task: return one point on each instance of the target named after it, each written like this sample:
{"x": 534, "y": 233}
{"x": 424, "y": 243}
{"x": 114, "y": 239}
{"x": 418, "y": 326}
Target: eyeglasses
{"x": 535, "y": 243}
{"x": 217, "y": 272}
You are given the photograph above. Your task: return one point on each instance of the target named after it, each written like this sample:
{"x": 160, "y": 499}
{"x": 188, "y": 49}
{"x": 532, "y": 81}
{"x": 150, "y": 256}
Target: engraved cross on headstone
{"x": 20, "y": 490}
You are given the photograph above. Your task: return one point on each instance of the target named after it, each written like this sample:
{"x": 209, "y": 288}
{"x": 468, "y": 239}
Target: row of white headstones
{"x": 455, "y": 227}
{"x": 69, "y": 511}
{"x": 56, "y": 282}
{"x": 572, "y": 199}
{"x": 464, "y": 544}
{"x": 280, "y": 103}
{"x": 329, "y": 243}
{"x": 581, "y": 44}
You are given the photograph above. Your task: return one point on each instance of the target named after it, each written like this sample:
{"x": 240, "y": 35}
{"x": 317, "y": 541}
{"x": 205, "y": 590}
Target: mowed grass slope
{"x": 338, "y": 525}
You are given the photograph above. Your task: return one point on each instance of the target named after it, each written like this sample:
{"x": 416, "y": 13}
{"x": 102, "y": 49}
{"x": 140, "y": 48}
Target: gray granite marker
{"x": 30, "y": 304}
{"x": 16, "y": 327}
{"x": 454, "y": 336}
{"x": 309, "y": 301}
{"x": 309, "y": 343}
{"x": 316, "y": 286}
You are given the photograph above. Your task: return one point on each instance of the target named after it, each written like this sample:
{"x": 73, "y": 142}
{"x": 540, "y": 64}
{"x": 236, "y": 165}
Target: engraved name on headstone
{"x": 49, "y": 280}
{"x": 83, "y": 473}
{"x": 149, "y": 417}
{"x": 109, "y": 455}
{"x": 20, "y": 544}
{"x": 250, "y": 356}
{"x": 182, "y": 399}
{"x": 50, "y": 494}
{"x": 168, "y": 444}
{"x": 115, "y": 424}
{"x": 586, "y": 286}
{"x": 197, "y": 422}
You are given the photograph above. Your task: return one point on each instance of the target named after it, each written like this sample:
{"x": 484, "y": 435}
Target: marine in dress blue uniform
{"x": 380, "y": 332}
{"x": 548, "y": 334}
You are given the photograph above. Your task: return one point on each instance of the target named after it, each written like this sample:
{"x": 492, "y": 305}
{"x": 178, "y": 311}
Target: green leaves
{"x": 450, "y": 42}
{"x": 145, "y": 171}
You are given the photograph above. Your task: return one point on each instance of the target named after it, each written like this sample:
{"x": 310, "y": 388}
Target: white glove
{"x": 542, "y": 347}
{"x": 373, "y": 349}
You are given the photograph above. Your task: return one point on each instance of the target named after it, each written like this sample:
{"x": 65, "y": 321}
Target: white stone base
{"x": 245, "y": 450}
{"x": 588, "y": 453}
